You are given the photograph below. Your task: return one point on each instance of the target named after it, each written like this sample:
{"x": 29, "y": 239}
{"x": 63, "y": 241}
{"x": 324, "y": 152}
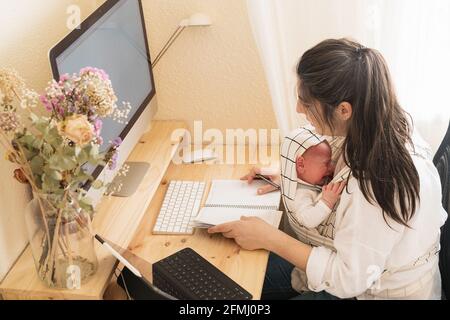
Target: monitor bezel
{"x": 75, "y": 34}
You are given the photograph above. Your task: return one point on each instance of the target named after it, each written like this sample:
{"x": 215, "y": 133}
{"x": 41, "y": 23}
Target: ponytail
{"x": 337, "y": 71}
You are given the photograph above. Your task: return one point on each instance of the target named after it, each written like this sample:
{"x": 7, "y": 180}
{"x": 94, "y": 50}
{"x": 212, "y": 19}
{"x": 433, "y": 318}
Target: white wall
{"x": 213, "y": 74}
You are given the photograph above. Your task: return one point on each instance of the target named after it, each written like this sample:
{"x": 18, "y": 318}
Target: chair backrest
{"x": 442, "y": 162}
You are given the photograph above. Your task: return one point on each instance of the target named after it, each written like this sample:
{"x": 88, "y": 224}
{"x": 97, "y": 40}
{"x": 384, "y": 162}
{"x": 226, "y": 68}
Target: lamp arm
{"x": 168, "y": 44}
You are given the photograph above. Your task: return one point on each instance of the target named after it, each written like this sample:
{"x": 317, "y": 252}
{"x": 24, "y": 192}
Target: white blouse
{"x": 377, "y": 261}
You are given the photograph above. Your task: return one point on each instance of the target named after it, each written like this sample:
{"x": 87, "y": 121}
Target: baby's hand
{"x": 331, "y": 193}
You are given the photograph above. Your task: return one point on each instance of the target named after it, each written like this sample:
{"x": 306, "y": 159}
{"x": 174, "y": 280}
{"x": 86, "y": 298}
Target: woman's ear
{"x": 344, "y": 111}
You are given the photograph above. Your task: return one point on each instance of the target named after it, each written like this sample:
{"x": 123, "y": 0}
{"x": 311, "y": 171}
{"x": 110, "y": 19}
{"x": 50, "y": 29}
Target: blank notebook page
{"x": 213, "y": 216}
{"x": 240, "y": 194}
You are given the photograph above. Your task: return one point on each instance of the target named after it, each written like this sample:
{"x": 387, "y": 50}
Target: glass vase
{"x": 61, "y": 241}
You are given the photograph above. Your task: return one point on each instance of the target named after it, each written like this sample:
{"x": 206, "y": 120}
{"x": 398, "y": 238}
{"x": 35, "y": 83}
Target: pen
{"x": 273, "y": 184}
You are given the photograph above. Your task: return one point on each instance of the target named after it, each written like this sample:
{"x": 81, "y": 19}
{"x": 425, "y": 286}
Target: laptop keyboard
{"x": 188, "y": 276}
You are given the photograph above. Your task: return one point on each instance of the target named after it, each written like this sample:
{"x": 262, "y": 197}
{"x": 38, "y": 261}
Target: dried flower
{"x": 112, "y": 163}
{"x": 20, "y": 176}
{"x": 77, "y": 129}
{"x": 11, "y": 157}
{"x": 117, "y": 142}
{"x": 13, "y": 87}
{"x": 29, "y": 99}
{"x": 88, "y": 93}
{"x": 8, "y": 121}
{"x": 11, "y": 84}
{"x": 114, "y": 153}
{"x": 2, "y": 98}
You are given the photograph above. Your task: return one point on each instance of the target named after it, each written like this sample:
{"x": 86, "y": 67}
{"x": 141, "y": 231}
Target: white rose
{"x": 78, "y": 129}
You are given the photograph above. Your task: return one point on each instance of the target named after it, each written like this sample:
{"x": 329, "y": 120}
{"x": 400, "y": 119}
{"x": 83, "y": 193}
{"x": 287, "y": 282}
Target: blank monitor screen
{"x": 115, "y": 42}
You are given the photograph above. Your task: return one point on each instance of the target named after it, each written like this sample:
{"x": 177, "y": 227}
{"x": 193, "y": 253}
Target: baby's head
{"x": 314, "y": 166}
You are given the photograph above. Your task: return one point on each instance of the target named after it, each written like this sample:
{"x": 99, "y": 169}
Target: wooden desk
{"x": 247, "y": 268}
{"x": 129, "y": 221}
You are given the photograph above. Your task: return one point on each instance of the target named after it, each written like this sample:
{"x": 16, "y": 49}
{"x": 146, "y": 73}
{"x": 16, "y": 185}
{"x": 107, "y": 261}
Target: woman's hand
{"x": 271, "y": 173}
{"x": 253, "y": 233}
{"x": 250, "y": 233}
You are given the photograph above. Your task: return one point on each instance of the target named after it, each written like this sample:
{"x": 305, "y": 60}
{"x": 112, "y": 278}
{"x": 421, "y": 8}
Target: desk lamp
{"x": 195, "y": 20}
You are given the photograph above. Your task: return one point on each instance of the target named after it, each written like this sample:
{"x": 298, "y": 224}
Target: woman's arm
{"x": 252, "y": 233}
{"x": 363, "y": 243}
{"x": 291, "y": 249}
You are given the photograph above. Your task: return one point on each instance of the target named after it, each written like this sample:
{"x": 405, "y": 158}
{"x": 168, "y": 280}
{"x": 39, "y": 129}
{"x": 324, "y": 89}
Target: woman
{"x": 388, "y": 221}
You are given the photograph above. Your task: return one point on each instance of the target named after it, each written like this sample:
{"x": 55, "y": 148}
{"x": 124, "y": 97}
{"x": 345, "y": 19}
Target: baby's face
{"x": 315, "y": 165}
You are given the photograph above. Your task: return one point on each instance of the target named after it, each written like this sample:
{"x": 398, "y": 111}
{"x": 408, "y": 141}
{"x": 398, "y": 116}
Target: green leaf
{"x": 37, "y": 143}
{"x": 83, "y": 157}
{"x": 27, "y": 140}
{"x": 62, "y": 163}
{"x": 37, "y": 165}
{"x": 42, "y": 127}
{"x": 94, "y": 156}
{"x": 42, "y": 124}
{"x": 86, "y": 204}
{"x": 77, "y": 151}
{"x": 47, "y": 150}
{"x": 29, "y": 154}
{"x": 49, "y": 184}
{"x": 53, "y": 138}
{"x": 94, "y": 150}
{"x": 68, "y": 152}
{"x": 54, "y": 174}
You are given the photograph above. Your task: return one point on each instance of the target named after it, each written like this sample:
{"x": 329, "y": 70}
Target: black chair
{"x": 442, "y": 162}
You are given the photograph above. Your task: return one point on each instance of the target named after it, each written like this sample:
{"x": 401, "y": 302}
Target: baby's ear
{"x": 300, "y": 163}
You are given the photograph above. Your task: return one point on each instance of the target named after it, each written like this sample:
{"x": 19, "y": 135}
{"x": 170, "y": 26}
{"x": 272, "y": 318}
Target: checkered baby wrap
{"x": 294, "y": 145}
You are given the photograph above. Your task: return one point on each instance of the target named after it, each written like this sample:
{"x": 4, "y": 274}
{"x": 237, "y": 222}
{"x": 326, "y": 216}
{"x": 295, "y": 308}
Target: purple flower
{"x": 61, "y": 111}
{"x": 46, "y": 103}
{"x": 98, "y": 124}
{"x": 103, "y": 74}
{"x": 71, "y": 108}
{"x": 112, "y": 164}
{"x": 117, "y": 142}
{"x": 64, "y": 78}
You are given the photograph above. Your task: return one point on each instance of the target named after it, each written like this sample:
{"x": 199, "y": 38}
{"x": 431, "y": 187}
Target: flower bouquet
{"x": 52, "y": 139}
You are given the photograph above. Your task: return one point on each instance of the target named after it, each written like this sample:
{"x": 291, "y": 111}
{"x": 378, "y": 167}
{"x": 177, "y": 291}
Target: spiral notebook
{"x": 229, "y": 200}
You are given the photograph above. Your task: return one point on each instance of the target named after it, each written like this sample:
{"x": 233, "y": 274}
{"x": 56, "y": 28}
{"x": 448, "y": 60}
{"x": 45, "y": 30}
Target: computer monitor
{"x": 114, "y": 39}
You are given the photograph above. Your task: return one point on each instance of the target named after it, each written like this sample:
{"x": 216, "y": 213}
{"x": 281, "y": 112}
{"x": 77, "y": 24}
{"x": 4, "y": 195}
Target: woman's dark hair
{"x": 337, "y": 71}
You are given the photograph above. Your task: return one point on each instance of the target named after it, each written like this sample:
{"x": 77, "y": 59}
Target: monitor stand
{"x": 130, "y": 182}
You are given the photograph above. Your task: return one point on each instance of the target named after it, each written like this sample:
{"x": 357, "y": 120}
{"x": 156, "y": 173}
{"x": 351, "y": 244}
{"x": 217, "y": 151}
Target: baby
{"x": 307, "y": 163}
{"x": 315, "y": 167}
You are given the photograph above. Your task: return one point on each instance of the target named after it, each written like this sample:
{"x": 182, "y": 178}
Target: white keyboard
{"x": 180, "y": 206}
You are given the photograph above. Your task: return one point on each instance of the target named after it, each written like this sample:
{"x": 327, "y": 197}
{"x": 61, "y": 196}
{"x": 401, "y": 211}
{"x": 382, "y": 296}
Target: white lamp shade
{"x": 196, "y": 20}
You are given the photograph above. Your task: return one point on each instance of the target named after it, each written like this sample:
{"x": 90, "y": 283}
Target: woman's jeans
{"x": 277, "y": 283}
